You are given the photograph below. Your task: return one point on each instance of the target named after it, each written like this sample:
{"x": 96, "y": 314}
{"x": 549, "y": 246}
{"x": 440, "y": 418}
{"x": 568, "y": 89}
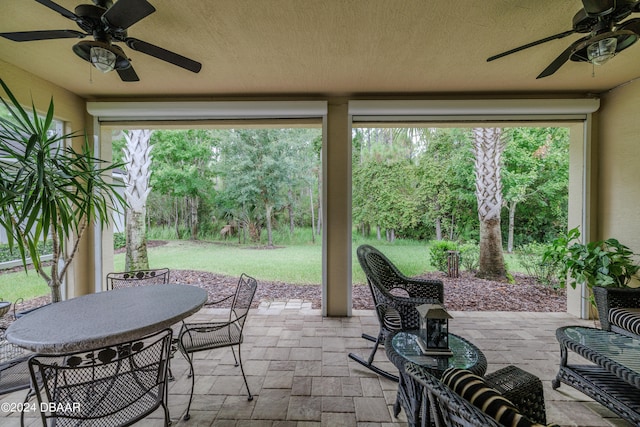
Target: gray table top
{"x": 105, "y": 318}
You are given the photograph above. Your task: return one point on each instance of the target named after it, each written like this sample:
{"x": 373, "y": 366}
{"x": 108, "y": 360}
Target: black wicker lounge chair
{"x": 445, "y": 407}
{"x": 395, "y": 297}
{"x": 110, "y": 386}
{"x": 198, "y": 336}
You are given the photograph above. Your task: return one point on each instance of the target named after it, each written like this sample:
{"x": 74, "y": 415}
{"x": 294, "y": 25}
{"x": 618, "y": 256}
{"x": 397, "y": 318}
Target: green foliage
{"x": 438, "y": 253}
{"x": 600, "y": 263}
{"x": 119, "y": 240}
{"x": 7, "y": 254}
{"x": 48, "y": 190}
{"x": 469, "y": 256}
{"x": 531, "y": 257}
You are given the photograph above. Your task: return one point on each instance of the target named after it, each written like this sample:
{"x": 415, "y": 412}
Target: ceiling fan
{"x": 107, "y": 22}
{"x": 606, "y": 36}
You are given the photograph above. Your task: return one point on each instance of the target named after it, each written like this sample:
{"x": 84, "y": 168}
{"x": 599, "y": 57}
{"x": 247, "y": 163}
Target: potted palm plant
{"x": 605, "y": 266}
{"x": 49, "y": 190}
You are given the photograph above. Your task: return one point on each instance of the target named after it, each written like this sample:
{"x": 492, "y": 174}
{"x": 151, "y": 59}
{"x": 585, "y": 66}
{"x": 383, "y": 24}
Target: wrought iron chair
{"x": 14, "y": 366}
{"x": 117, "y": 385}
{"x": 159, "y": 276}
{"x": 395, "y": 297}
{"x": 198, "y": 336}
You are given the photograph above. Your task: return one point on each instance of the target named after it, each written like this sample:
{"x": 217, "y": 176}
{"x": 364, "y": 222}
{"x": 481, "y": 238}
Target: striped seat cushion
{"x": 477, "y": 392}
{"x": 626, "y": 318}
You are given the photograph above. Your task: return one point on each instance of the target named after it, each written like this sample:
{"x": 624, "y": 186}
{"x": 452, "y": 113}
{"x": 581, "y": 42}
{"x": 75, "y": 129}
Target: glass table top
{"x": 621, "y": 349}
{"x": 465, "y": 354}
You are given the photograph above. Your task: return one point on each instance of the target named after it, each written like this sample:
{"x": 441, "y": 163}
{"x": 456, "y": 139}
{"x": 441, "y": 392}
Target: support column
{"x": 336, "y": 193}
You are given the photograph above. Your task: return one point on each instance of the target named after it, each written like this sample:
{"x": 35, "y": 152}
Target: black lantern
{"x": 434, "y": 327}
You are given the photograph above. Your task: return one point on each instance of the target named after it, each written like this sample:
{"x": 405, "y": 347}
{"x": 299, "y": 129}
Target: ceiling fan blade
{"x": 163, "y": 54}
{"x": 61, "y": 10}
{"x": 27, "y": 36}
{"x": 128, "y": 75}
{"x": 125, "y": 13}
{"x": 631, "y": 25}
{"x": 528, "y": 45}
{"x": 561, "y": 59}
{"x": 598, "y": 7}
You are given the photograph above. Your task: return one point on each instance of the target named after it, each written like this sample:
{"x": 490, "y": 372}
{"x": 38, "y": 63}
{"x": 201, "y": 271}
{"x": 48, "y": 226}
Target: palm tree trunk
{"x": 488, "y": 148}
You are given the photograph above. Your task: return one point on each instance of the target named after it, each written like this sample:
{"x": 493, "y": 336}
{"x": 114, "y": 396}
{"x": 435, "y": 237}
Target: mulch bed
{"x": 466, "y": 293}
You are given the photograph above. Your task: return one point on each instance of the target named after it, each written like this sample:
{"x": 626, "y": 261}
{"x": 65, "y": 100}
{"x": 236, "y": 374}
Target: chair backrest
{"x": 125, "y": 279}
{"x": 14, "y": 367}
{"x": 448, "y": 408}
{"x": 392, "y": 290}
{"x": 115, "y": 385}
{"x": 243, "y": 299}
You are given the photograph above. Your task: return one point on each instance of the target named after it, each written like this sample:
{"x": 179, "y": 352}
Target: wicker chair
{"x": 395, "y": 297}
{"x": 608, "y": 298}
{"x": 126, "y": 279}
{"x": 14, "y": 367}
{"x": 446, "y": 408}
{"x": 111, "y": 386}
{"x": 199, "y": 336}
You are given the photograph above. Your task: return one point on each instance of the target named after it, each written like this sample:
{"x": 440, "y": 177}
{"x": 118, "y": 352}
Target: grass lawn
{"x": 300, "y": 264}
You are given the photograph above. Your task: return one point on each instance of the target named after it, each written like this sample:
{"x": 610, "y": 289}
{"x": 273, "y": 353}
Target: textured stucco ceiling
{"x": 325, "y": 47}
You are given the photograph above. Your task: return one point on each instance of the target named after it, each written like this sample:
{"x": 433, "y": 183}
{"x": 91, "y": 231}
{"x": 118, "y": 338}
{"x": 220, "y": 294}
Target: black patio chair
{"x": 14, "y": 366}
{"x": 199, "y": 336}
{"x": 395, "y": 297}
{"x": 111, "y": 386}
{"x": 159, "y": 276}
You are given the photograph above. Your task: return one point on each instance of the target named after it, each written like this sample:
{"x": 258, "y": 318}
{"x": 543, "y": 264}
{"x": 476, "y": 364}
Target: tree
{"x": 535, "y": 177}
{"x": 49, "y": 191}
{"x": 137, "y": 154}
{"x": 488, "y": 148}
{"x": 183, "y": 171}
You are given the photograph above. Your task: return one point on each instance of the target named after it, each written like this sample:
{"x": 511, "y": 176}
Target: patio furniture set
{"x": 85, "y": 370}
{"x": 454, "y": 390}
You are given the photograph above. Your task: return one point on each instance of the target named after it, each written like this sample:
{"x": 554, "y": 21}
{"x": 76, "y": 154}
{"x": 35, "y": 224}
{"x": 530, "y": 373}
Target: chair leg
{"x": 369, "y": 362}
{"x": 246, "y": 384}
{"x": 193, "y": 383}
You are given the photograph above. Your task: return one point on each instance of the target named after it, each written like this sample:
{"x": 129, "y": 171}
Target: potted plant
{"x": 605, "y": 266}
{"x": 49, "y": 190}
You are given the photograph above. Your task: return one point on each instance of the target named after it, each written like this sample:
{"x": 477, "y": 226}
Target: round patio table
{"x": 105, "y": 318}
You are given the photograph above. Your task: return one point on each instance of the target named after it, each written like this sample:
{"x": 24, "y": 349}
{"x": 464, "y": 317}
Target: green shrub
{"x": 438, "y": 253}
{"x": 119, "y": 240}
{"x": 530, "y": 256}
{"x": 7, "y": 255}
{"x": 470, "y": 256}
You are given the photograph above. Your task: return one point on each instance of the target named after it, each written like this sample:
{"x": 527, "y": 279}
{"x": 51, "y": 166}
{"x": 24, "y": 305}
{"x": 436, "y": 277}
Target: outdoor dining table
{"x": 105, "y": 318}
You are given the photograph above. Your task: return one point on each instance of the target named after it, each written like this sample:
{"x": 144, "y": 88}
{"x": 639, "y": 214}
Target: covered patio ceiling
{"x": 320, "y": 48}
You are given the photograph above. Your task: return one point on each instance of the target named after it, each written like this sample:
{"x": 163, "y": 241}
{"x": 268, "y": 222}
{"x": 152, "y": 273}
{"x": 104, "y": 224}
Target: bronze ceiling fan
{"x": 107, "y": 22}
{"x": 606, "y": 35}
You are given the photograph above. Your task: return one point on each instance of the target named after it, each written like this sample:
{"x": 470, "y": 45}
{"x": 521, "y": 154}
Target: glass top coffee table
{"x": 613, "y": 376}
{"x": 401, "y": 347}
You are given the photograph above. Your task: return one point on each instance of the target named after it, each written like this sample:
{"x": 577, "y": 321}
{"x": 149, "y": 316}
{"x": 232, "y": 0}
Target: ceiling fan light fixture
{"x": 103, "y": 59}
{"x": 601, "y": 51}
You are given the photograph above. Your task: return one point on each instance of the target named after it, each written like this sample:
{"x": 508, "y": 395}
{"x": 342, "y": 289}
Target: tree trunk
{"x": 313, "y": 220}
{"x": 290, "y": 210}
{"x": 438, "y": 228}
{"x": 194, "y": 202}
{"x": 269, "y": 209}
{"x": 488, "y": 148}
{"x": 136, "y": 257}
{"x": 512, "y": 225}
{"x": 378, "y": 232}
{"x": 138, "y": 160}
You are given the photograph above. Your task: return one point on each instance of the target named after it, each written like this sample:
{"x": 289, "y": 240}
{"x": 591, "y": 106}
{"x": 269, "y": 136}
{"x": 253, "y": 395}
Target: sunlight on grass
{"x": 22, "y": 285}
{"x": 295, "y": 264}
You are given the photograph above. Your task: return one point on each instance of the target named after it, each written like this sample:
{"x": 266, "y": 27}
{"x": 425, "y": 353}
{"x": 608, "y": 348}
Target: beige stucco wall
{"x": 618, "y": 158}
{"x": 70, "y": 109}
